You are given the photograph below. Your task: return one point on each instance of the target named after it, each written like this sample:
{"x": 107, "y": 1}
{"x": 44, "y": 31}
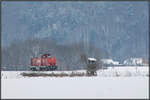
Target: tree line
{"x": 18, "y": 55}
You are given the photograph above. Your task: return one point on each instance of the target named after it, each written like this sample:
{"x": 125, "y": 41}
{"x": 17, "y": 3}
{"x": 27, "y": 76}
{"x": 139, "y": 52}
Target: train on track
{"x": 43, "y": 63}
{"x": 48, "y": 63}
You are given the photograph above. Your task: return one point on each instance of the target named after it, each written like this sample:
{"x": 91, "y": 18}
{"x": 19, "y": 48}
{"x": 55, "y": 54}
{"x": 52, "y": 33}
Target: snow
{"x": 110, "y": 72}
{"x": 106, "y": 85}
{"x": 92, "y": 59}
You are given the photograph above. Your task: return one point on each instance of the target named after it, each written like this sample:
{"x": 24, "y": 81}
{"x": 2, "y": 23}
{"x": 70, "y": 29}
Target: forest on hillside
{"x": 67, "y": 30}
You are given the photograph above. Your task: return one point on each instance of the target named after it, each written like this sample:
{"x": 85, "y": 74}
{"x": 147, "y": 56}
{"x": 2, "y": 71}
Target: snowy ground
{"x": 118, "y": 82}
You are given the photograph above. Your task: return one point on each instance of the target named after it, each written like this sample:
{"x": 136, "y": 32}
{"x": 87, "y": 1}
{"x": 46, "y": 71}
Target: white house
{"x": 109, "y": 61}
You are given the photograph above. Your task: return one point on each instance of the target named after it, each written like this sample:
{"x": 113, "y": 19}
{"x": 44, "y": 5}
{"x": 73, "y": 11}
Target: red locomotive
{"x": 43, "y": 63}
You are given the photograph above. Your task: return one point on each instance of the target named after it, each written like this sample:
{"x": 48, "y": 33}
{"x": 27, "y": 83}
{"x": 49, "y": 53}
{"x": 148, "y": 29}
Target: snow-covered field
{"x": 118, "y": 82}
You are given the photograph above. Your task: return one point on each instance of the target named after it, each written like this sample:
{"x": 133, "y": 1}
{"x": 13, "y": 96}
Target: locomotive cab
{"x": 92, "y": 66}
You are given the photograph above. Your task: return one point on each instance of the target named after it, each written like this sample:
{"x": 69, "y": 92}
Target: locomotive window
{"x": 91, "y": 62}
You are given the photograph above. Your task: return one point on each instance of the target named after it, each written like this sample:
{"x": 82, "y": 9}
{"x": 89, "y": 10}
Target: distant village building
{"x": 134, "y": 61}
{"x": 109, "y": 62}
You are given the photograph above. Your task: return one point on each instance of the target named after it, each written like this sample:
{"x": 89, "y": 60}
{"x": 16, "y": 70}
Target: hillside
{"x": 117, "y": 30}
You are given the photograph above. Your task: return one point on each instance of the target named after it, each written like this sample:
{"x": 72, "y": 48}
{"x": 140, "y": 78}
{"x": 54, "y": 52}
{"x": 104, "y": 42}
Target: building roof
{"x": 92, "y": 59}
